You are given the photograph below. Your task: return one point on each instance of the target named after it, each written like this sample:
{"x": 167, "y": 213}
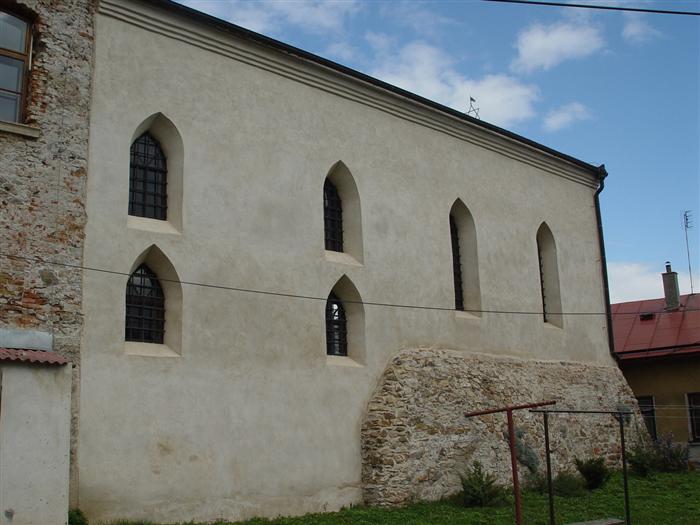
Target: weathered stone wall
{"x": 416, "y": 440}
{"x": 43, "y": 181}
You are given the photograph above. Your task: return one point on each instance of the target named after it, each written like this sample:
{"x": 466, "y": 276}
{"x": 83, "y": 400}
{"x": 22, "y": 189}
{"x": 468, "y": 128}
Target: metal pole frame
{"x": 619, "y": 415}
{"x": 511, "y": 442}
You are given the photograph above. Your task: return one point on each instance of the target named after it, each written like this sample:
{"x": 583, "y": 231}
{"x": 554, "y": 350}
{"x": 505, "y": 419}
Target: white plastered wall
{"x": 34, "y": 444}
{"x": 251, "y": 418}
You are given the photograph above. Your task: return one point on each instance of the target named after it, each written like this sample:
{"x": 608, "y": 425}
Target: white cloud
{"x": 342, "y": 51}
{"x": 543, "y": 47}
{"x": 637, "y": 30}
{"x": 431, "y": 73}
{"x": 420, "y": 17}
{"x": 630, "y": 281}
{"x": 566, "y": 115}
{"x": 268, "y": 16}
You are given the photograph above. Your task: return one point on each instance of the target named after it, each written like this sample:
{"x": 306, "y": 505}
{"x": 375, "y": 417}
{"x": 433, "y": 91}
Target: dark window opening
{"x": 542, "y": 289}
{"x": 148, "y": 175}
{"x": 145, "y": 307}
{"x": 646, "y": 407}
{"x": 336, "y": 327}
{"x": 333, "y": 217}
{"x": 15, "y": 49}
{"x": 456, "y": 266}
{"x": 694, "y": 413}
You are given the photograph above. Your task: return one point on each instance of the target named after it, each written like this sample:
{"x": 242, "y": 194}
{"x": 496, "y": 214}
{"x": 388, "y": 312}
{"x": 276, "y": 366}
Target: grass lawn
{"x": 664, "y": 499}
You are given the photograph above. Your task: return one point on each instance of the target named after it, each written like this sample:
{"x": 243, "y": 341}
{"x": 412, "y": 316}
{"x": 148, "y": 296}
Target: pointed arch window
{"x": 148, "y": 174}
{"x": 145, "y": 307}
{"x": 549, "y": 277}
{"x": 336, "y": 327}
{"x": 333, "y": 217}
{"x": 456, "y": 265}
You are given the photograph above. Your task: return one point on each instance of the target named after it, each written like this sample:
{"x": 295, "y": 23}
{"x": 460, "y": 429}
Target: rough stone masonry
{"x": 43, "y": 182}
{"x": 416, "y": 441}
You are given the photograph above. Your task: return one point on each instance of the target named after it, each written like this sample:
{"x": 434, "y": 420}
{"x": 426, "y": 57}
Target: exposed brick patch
{"x": 43, "y": 181}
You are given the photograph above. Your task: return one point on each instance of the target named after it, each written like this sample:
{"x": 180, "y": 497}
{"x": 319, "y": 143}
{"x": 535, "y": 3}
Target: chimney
{"x": 671, "y": 292}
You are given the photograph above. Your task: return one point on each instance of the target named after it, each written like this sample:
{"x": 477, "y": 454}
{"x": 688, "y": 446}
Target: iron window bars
{"x": 15, "y": 52}
{"x": 148, "y": 175}
{"x": 542, "y": 289}
{"x": 694, "y": 413}
{"x": 456, "y": 265}
{"x": 332, "y": 217}
{"x": 646, "y": 407}
{"x": 145, "y": 307}
{"x": 336, "y": 327}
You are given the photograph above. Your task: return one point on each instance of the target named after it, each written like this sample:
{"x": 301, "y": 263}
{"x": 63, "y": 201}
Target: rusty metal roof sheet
{"x": 643, "y": 329}
{"x": 36, "y": 357}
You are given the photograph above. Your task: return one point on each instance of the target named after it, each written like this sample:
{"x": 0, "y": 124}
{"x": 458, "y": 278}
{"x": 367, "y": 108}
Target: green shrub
{"x": 480, "y": 489}
{"x": 594, "y": 472}
{"x": 76, "y": 517}
{"x": 568, "y": 484}
{"x": 640, "y": 457}
{"x": 662, "y": 455}
{"x": 535, "y": 482}
{"x": 670, "y": 456}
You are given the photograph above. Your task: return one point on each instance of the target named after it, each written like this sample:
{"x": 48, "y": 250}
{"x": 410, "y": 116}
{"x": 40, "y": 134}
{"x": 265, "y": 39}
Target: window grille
{"x": 694, "y": 413}
{"x": 456, "y": 265}
{"x": 542, "y": 289}
{"x": 147, "y": 179}
{"x": 145, "y": 307}
{"x": 333, "y": 217}
{"x": 336, "y": 327}
{"x": 15, "y": 49}
{"x": 646, "y": 407}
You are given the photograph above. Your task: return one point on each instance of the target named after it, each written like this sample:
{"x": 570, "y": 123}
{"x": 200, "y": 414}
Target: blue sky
{"x": 607, "y": 87}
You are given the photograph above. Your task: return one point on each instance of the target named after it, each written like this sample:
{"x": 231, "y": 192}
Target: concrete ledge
{"x": 26, "y": 339}
{"x": 19, "y": 129}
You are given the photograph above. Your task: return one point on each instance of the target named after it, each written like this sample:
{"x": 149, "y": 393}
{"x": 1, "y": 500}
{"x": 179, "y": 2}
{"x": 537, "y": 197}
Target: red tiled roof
{"x": 665, "y": 333}
{"x": 36, "y": 357}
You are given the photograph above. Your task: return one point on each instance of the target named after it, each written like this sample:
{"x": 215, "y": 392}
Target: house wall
{"x": 34, "y": 444}
{"x": 43, "y": 173}
{"x": 668, "y": 381}
{"x": 244, "y": 414}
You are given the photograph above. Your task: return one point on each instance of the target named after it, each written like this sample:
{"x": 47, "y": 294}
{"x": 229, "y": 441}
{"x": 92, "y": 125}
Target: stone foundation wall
{"x": 416, "y": 440}
{"x": 43, "y": 181}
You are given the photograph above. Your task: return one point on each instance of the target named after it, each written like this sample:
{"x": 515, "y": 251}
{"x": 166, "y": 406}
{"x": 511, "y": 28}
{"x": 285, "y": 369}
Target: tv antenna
{"x": 473, "y": 111}
{"x": 687, "y": 225}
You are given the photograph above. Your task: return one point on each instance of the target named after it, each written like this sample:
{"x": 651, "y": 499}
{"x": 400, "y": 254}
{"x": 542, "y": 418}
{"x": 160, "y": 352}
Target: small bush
{"x": 480, "y": 489}
{"x": 568, "y": 484}
{"x": 670, "y": 456}
{"x": 76, "y": 517}
{"x": 535, "y": 482}
{"x": 662, "y": 455}
{"x": 594, "y": 472}
{"x": 640, "y": 458}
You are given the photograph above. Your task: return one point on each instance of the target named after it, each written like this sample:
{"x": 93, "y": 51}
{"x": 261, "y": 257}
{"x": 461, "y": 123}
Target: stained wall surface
{"x": 668, "y": 381}
{"x": 248, "y": 416}
{"x": 34, "y": 444}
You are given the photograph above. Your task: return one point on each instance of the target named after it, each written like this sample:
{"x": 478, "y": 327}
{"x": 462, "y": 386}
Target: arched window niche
{"x": 345, "y": 325}
{"x": 342, "y": 216}
{"x": 465, "y": 260}
{"x": 152, "y": 270}
{"x": 158, "y": 136}
{"x": 549, "y": 277}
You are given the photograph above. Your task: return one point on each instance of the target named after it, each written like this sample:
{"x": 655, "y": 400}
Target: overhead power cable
{"x": 603, "y": 7}
{"x": 315, "y": 298}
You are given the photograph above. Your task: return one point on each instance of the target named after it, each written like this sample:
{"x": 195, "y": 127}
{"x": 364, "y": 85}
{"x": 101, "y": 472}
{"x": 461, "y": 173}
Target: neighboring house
{"x": 657, "y": 342}
{"x": 281, "y": 282}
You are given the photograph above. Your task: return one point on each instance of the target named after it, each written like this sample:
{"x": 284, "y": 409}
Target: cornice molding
{"x": 317, "y": 76}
